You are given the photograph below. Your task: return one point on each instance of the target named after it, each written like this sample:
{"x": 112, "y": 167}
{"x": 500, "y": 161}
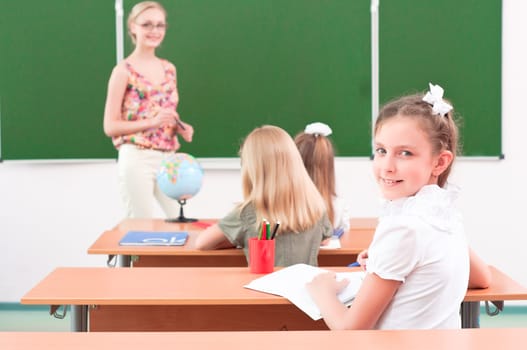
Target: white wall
{"x": 50, "y": 213}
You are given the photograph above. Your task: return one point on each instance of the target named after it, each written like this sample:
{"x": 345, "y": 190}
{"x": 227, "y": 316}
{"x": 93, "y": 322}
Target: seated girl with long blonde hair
{"x": 277, "y": 187}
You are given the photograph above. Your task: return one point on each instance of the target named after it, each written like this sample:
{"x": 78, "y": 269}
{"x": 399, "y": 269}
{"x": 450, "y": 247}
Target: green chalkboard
{"x": 241, "y": 64}
{"x": 56, "y": 57}
{"x": 456, "y": 44}
{"x": 244, "y": 63}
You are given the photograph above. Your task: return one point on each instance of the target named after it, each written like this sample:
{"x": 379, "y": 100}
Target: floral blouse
{"x": 142, "y": 100}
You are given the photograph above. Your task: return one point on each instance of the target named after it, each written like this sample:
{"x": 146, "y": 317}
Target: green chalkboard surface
{"x": 244, "y": 63}
{"x": 456, "y": 44}
{"x": 56, "y": 57}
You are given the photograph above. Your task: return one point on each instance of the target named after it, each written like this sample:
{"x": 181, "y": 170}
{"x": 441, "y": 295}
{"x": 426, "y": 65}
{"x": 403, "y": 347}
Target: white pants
{"x": 137, "y": 170}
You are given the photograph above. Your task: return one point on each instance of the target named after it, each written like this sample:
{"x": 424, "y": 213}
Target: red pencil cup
{"x": 261, "y": 255}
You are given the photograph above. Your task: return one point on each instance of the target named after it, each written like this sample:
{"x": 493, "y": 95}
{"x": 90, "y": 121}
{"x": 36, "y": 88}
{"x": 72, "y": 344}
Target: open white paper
{"x": 290, "y": 283}
{"x": 333, "y": 243}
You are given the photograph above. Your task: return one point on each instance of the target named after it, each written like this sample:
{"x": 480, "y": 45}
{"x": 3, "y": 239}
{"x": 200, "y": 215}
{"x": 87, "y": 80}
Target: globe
{"x": 180, "y": 177}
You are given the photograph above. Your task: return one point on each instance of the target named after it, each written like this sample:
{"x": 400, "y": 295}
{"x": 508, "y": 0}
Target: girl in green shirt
{"x": 277, "y": 187}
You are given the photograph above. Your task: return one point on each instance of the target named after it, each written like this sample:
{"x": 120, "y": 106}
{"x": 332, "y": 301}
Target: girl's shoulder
{"x": 432, "y": 205}
{"x": 340, "y": 203}
{"x": 243, "y": 212}
{"x": 239, "y": 219}
{"x": 247, "y": 212}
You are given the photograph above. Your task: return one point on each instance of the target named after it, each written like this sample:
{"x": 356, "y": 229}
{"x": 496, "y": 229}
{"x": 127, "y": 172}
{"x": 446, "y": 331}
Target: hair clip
{"x": 435, "y": 98}
{"x": 318, "y": 129}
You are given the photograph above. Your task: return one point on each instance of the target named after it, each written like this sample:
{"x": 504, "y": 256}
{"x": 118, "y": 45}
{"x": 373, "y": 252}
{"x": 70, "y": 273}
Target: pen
{"x": 267, "y": 230}
{"x": 275, "y": 229}
{"x": 180, "y": 124}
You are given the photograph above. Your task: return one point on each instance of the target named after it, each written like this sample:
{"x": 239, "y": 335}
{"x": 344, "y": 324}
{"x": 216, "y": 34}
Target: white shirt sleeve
{"x": 342, "y": 214}
{"x": 393, "y": 253}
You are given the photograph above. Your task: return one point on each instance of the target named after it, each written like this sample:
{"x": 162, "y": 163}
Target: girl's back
{"x": 290, "y": 248}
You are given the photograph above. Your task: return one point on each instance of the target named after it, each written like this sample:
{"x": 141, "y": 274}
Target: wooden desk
{"x": 352, "y": 242}
{"x": 466, "y": 339}
{"x": 190, "y": 299}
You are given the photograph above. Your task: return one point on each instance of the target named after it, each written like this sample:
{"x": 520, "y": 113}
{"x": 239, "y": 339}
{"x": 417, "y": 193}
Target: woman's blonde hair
{"x": 276, "y": 182}
{"x": 319, "y": 159}
{"x": 139, "y": 8}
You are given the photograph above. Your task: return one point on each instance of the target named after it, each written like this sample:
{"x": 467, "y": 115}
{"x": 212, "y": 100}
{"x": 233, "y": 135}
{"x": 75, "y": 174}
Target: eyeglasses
{"x": 150, "y": 26}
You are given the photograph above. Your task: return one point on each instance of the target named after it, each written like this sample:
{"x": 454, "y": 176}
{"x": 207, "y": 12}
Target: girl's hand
{"x": 325, "y": 285}
{"x": 362, "y": 258}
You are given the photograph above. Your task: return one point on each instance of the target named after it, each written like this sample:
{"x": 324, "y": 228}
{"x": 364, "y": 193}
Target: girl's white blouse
{"x": 342, "y": 214}
{"x": 420, "y": 241}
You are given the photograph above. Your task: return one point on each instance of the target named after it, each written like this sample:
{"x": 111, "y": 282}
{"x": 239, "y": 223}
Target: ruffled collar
{"x": 435, "y": 205}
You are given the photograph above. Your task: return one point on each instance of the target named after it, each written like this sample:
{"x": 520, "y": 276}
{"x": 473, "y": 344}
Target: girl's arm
{"x": 212, "y": 238}
{"x": 345, "y": 220}
{"x": 114, "y": 125}
{"x": 372, "y": 299}
{"x": 480, "y": 275}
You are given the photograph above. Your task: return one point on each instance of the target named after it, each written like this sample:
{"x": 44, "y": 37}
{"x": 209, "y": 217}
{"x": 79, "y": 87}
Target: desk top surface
{"x": 190, "y": 286}
{"x": 354, "y": 241}
{"x": 469, "y": 339}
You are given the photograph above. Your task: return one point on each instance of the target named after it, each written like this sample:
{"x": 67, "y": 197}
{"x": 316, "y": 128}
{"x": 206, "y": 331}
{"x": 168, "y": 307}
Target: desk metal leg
{"x": 79, "y": 318}
{"x": 119, "y": 260}
{"x": 470, "y": 314}
{"x": 125, "y": 261}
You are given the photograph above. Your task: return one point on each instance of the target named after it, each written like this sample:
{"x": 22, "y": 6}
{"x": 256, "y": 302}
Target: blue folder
{"x": 154, "y": 238}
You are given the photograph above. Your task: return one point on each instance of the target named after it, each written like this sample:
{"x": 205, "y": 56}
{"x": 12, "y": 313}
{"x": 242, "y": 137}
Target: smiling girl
{"x": 419, "y": 263}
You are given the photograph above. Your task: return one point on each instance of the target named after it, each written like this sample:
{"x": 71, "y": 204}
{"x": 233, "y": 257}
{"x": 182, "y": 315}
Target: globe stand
{"x": 181, "y": 217}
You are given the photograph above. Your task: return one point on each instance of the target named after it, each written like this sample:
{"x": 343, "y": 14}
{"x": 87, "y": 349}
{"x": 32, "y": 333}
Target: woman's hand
{"x": 185, "y": 130}
{"x": 164, "y": 117}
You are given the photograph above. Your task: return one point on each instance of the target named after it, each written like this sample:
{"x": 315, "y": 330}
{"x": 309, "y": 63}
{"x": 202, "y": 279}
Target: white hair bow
{"x": 435, "y": 98}
{"x": 318, "y": 129}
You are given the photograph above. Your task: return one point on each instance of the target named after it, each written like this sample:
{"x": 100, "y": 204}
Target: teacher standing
{"x": 140, "y": 113}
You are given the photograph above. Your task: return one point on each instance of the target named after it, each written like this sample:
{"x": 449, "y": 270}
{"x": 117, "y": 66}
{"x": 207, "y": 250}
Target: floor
{"x": 16, "y": 317}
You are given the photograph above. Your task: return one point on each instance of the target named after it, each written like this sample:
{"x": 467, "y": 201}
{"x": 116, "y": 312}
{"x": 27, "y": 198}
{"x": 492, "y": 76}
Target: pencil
{"x": 275, "y": 229}
{"x": 260, "y": 232}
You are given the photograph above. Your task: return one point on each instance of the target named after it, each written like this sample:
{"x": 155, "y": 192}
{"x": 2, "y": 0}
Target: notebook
{"x": 290, "y": 283}
{"x": 154, "y": 238}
